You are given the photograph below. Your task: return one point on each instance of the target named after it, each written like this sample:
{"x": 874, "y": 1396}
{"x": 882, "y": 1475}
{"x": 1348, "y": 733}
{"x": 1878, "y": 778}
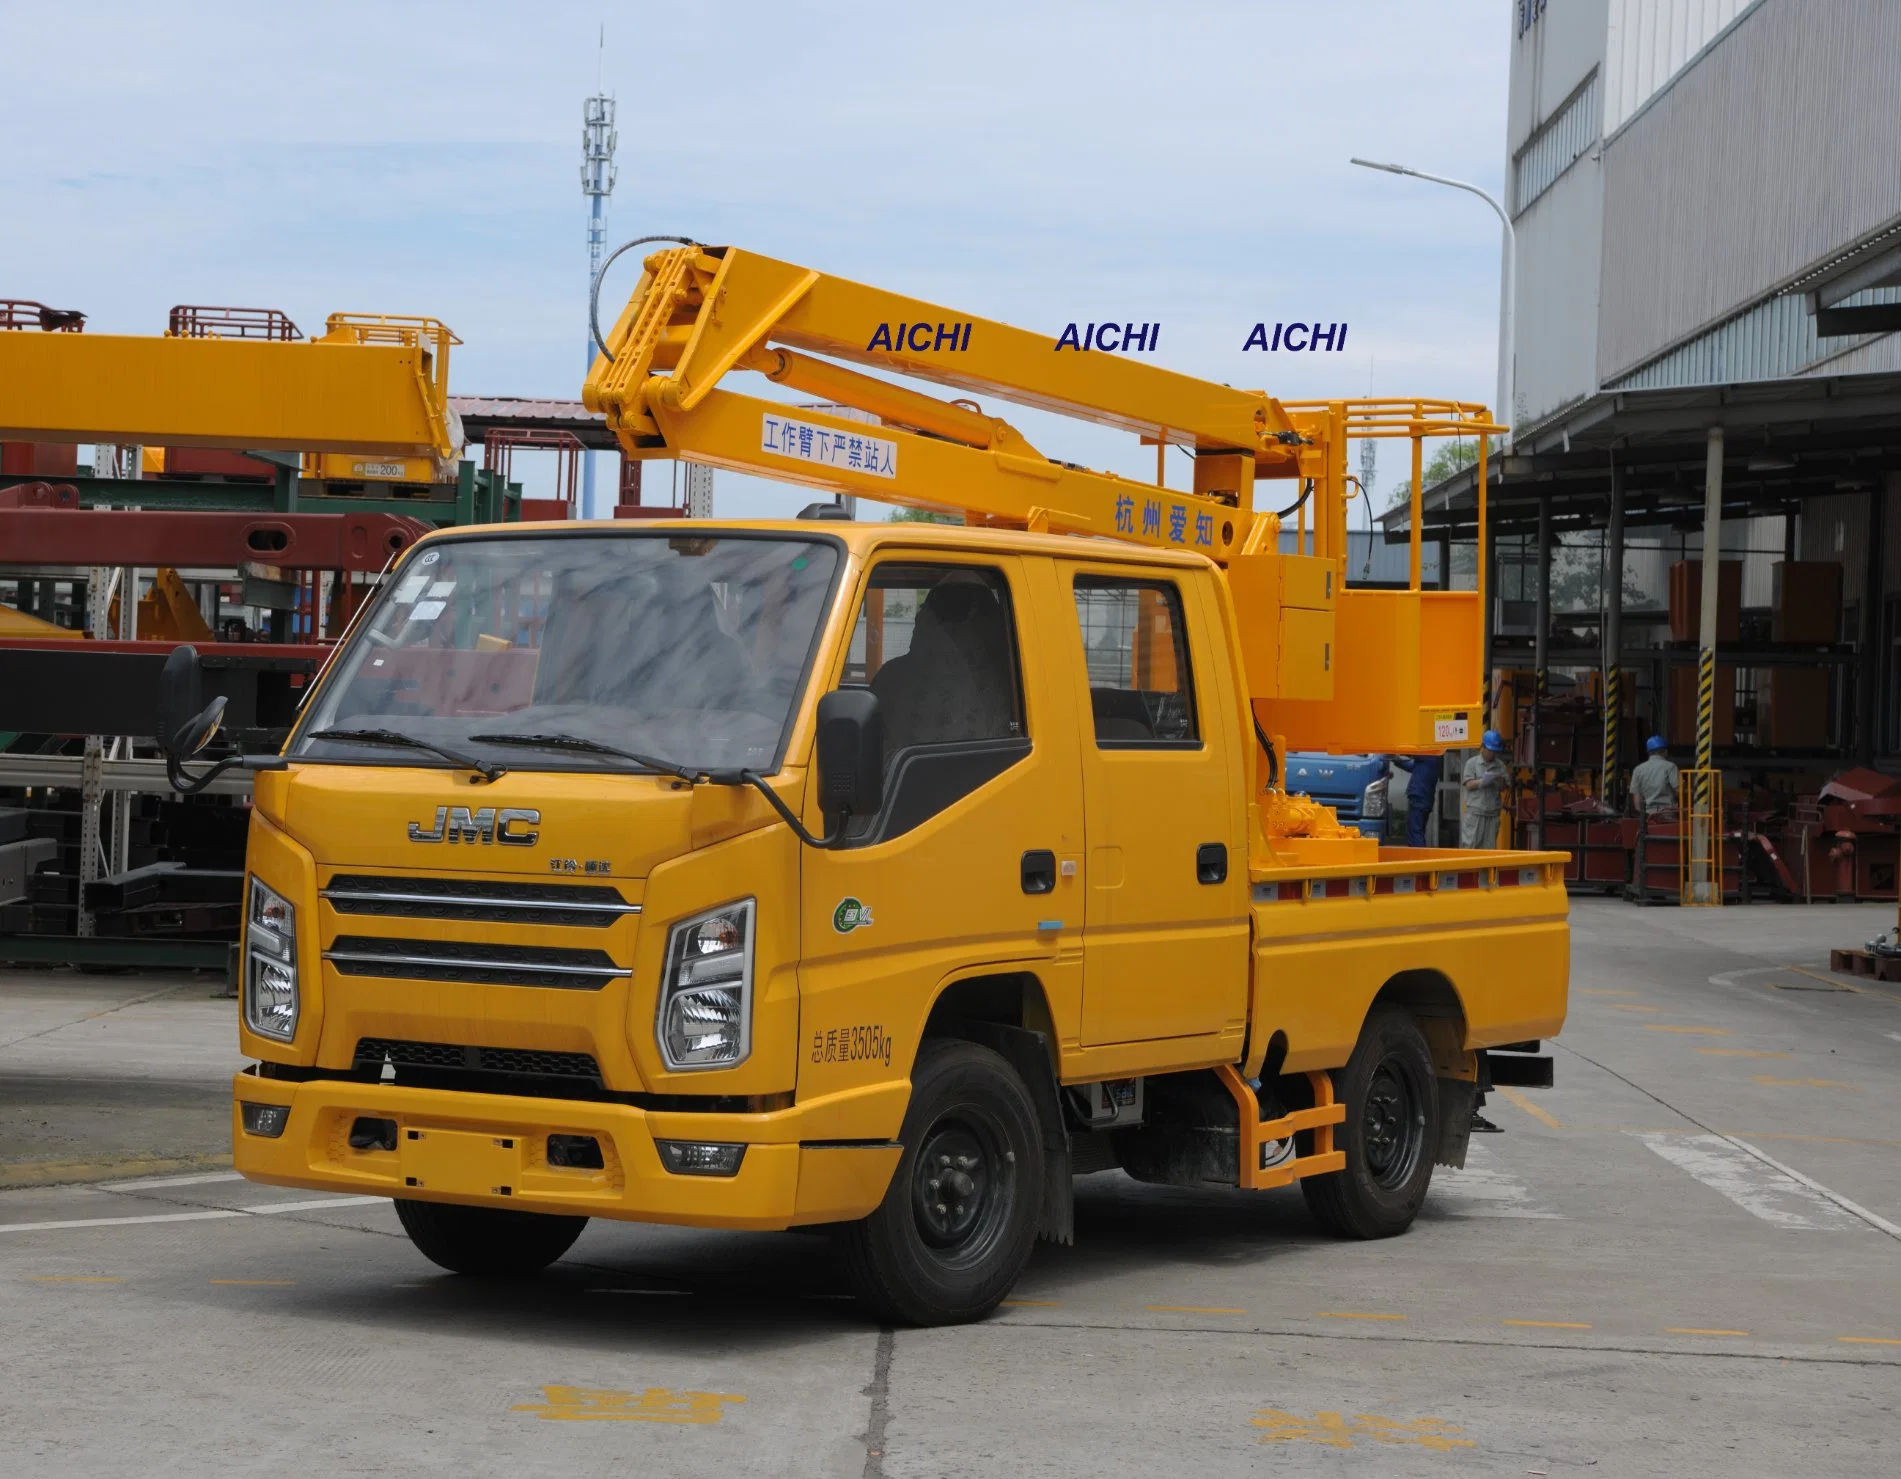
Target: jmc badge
{"x": 512, "y": 826}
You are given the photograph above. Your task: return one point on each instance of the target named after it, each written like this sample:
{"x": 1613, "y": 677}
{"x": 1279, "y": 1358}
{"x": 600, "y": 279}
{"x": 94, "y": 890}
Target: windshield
{"x": 690, "y": 648}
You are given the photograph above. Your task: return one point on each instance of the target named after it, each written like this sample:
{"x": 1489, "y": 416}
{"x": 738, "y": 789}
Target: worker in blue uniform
{"x": 1420, "y": 789}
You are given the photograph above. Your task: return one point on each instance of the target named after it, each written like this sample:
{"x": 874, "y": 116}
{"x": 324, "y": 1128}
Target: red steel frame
{"x": 68, "y": 536}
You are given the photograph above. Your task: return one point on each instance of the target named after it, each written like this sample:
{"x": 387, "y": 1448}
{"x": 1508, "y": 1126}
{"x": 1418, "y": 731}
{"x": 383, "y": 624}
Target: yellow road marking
{"x": 1352, "y": 1315}
{"x": 50, "y": 1173}
{"x": 1543, "y": 1116}
{"x": 1192, "y": 1309}
{"x": 1686, "y": 1330}
{"x": 1867, "y": 1340}
{"x": 1801, "y": 1083}
{"x": 257, "y": 1283}
{"x": 654, "y": 1405}
{"x": 1041, "y": 1304}
{"x": 1662, "y": 1027}
{"x": 1603, "y": 991}
{"x": 1743, "y": 1053}
{"x": 77, "y": 1279}
{"x": 1337, "y": 1430}
{"x": 1547, "y": 1324}
{"x": 1628, "y": 1006}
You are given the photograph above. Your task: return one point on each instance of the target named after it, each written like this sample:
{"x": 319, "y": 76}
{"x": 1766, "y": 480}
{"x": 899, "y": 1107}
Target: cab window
{"x": 1135, "y": 647}
{"x": 936, "y": 644}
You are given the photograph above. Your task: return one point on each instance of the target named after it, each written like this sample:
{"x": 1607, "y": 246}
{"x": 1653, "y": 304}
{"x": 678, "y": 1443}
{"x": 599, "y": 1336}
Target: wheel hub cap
{"x": 951, "y": 1187}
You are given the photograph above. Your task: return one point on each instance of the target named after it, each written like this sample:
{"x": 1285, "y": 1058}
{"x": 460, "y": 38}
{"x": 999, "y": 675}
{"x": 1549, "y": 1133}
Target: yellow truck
{"x": 880, "y": 877}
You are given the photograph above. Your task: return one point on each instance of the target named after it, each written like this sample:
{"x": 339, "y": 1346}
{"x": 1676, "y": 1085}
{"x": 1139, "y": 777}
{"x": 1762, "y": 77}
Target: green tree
{"x": 924, "y": 516}
{"x": 1443, "y": 463}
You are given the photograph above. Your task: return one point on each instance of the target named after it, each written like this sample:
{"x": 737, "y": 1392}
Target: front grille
{"x": 483, "y": 965}
{"x": 478, "y": 901}
{"x": 372, "y": 1053}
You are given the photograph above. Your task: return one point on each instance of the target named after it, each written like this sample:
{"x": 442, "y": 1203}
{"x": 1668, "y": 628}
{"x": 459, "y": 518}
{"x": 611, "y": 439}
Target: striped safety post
{"x": 1608, "y": 781}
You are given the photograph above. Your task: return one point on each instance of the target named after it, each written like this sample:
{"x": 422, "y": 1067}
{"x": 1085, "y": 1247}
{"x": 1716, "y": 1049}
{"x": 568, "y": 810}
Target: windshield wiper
{"x": 487, "y": 769}
{"x": 687, "y": 773}
{"x": 592, "y": 747}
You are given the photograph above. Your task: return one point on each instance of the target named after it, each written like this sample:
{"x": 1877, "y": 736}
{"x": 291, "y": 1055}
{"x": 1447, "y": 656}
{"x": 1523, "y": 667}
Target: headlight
{"x": 1373, "y": 803}
{"x": 270, "y": 965}
{"x": 706, "y": 997}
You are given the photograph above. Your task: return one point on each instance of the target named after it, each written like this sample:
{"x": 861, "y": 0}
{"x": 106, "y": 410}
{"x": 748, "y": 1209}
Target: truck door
{"x": 1165, "y": 923}
{"x": 963, "y": 865}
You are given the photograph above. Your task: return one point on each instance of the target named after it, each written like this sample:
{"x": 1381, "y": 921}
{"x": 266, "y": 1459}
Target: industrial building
{"x": 1706, "y": 201}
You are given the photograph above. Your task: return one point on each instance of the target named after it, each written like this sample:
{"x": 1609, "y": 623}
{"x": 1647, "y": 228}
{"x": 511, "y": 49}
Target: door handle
{"x": 1211, "y": 863}
{"x": 1039, "y": 871}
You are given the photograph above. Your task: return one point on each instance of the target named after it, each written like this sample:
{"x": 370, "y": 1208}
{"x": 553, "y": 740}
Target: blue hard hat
{"x": 1655, "y": 743}
{"x": 1493, "y": 740}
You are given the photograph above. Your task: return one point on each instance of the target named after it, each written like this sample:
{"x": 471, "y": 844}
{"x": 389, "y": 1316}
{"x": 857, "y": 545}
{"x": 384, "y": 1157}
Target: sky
{"x": 1037, "y": 163}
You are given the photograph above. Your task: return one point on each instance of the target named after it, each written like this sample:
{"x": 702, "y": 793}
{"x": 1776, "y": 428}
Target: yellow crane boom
{"x": 1331, "y": 668}
{"x": 372, "y": 384}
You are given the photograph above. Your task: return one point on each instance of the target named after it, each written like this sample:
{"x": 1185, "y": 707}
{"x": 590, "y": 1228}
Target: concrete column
{"x": 1705, "y": 837}
{"x": 1610, "y": 782}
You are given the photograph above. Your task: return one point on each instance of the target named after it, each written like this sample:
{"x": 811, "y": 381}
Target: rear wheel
{"x": 489, "y": 1242}
{"x": 1391, "y": 1129}
{"x": 959, "y": 1219}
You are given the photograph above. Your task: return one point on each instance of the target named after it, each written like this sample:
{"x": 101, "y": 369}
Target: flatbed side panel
{"x": 1319, "y": 963}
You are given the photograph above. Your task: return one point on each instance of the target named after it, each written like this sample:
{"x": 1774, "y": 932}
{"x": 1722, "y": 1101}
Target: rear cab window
{"x": 1135, "y": 648}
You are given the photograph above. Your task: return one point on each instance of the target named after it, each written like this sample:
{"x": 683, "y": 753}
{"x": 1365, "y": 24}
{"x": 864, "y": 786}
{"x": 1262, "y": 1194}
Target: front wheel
{"x": 1391, "y": 1130}
{"x": 488, "y": 1242}
{"x": 957, "y": 1224}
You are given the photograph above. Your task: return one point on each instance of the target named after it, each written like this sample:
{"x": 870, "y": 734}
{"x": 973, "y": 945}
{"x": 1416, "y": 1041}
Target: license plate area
{"x": 460, "y": 1162}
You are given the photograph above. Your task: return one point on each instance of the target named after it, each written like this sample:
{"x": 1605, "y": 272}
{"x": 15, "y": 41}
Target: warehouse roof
{"x": 1784, "y": 440}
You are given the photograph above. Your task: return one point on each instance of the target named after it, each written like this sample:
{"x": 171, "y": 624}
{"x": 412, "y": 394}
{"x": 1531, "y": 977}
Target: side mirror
{"x": 185, "y": 723}
{"x": 850, "y": 752}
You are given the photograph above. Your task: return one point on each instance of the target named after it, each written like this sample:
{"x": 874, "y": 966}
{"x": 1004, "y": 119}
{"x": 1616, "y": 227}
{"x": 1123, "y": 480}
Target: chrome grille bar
{"x": 488, "y": 965}
{"x": 478, "y": 901}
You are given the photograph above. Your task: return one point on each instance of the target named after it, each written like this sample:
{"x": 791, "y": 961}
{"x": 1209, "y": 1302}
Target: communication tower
{"x": 597, "y": 183}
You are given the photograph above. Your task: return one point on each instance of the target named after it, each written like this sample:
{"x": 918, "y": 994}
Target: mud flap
{"x": 1028, "y": 1053}
{"x": 1458, "y": 1102}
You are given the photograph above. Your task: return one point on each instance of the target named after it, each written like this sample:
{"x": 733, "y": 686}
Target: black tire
{"x": 1390, "y": 1136}
{"x": 487, "y": 1242}
{"x": 970, "y": 1132}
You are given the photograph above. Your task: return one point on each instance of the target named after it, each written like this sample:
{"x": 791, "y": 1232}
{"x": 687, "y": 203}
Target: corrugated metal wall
{"x": 1560, "y": 239}
{"x": 1777, "y": 150}
{"x": 1775, "y": 338}
{"x": 1650, "y": 41}
{"x": 1557, "y": 144}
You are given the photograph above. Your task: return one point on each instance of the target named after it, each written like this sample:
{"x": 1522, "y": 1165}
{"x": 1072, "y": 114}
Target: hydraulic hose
{"x": 594, "y": 292}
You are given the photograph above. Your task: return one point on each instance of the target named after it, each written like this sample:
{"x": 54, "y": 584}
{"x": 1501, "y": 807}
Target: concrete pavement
{"x": 1684, "y": 1260}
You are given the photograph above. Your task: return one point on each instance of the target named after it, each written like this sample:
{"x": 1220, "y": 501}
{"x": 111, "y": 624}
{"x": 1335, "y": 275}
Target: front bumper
{"x": 491, "y": 1150}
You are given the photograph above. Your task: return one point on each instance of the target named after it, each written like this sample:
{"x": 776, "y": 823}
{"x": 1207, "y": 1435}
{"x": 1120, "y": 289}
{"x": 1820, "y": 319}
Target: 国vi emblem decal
{"x": 850, "y": 915}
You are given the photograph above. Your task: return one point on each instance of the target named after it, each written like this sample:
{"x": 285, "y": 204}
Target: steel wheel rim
{"x": 963, "y": 1184}
{"x": 1393, "y": 1124}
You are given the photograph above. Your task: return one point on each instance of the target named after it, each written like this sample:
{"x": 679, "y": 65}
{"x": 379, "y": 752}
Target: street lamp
{"x": 1507, "y": 293}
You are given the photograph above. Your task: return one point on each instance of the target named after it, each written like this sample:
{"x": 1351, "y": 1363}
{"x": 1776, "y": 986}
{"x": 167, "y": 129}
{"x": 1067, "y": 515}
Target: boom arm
{"x": 1324, "y": 664}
